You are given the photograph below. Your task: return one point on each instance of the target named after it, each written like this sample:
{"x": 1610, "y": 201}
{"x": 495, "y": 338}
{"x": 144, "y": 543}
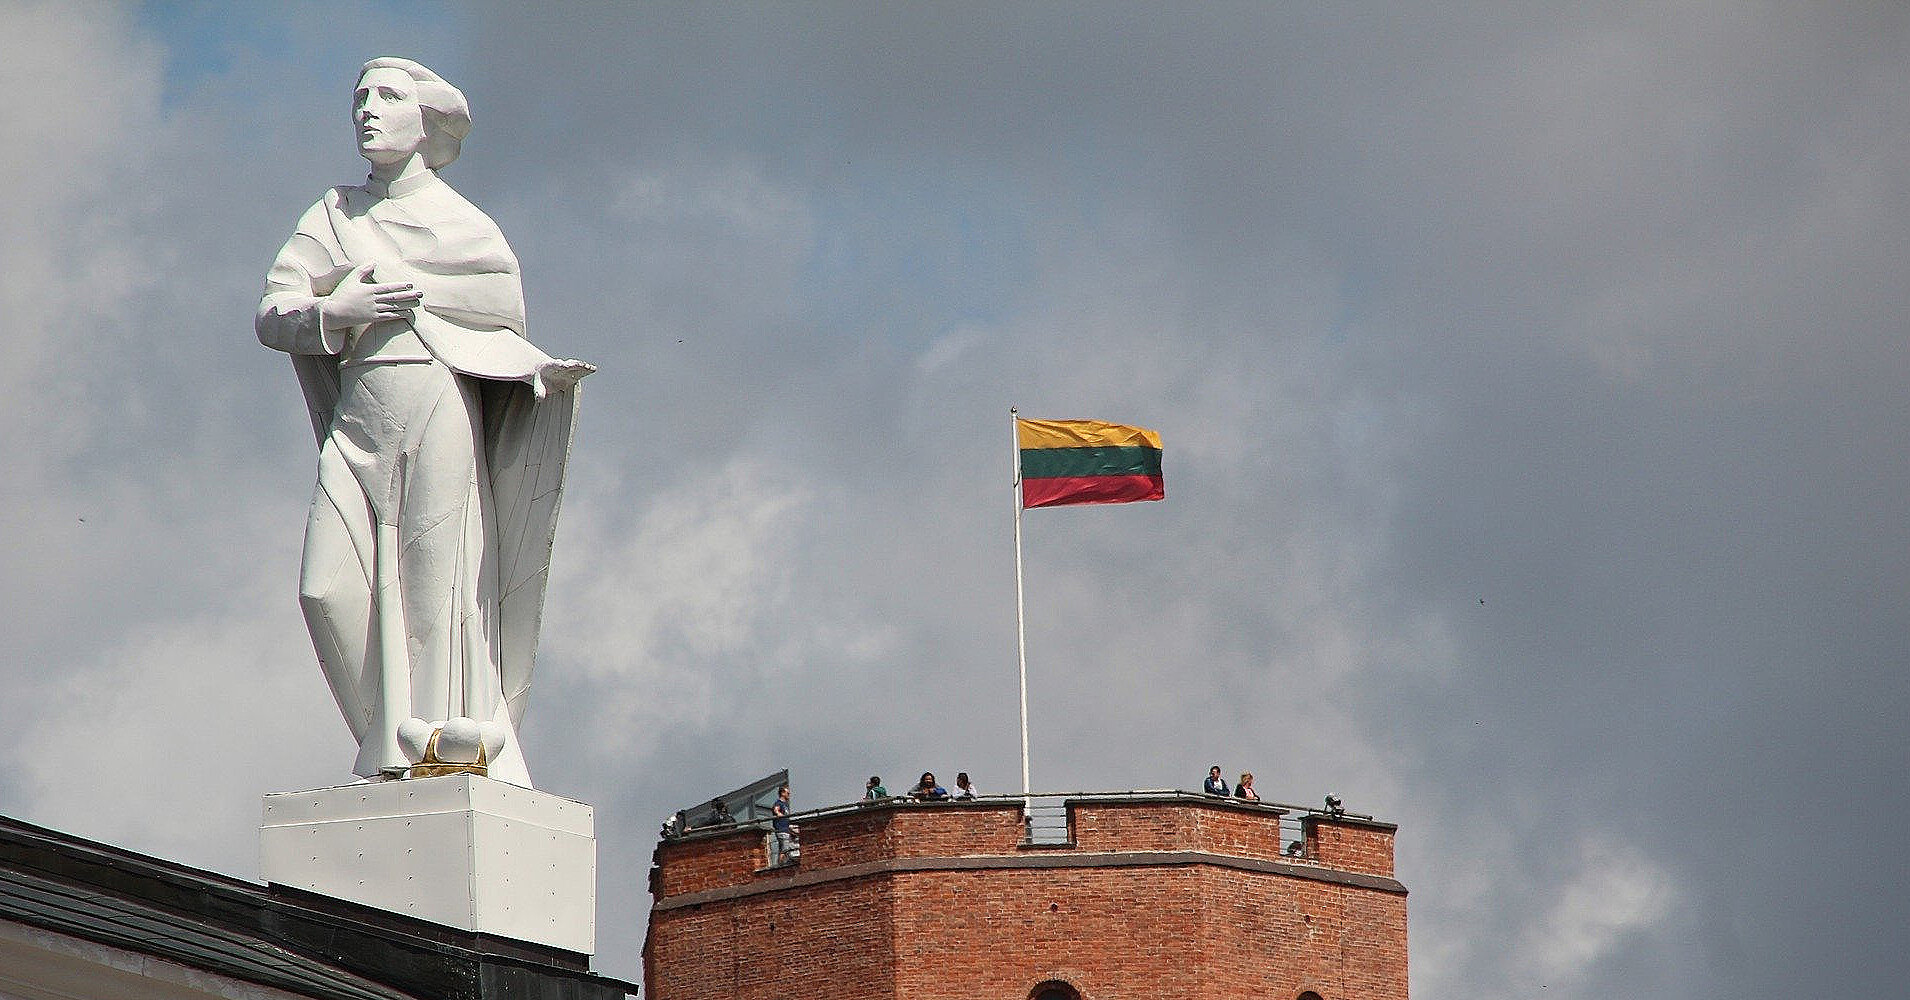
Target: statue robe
{"x": 453, "y": 411}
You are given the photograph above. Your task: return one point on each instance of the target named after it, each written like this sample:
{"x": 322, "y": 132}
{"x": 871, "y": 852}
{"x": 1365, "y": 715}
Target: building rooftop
{"x": 57, "y": 889}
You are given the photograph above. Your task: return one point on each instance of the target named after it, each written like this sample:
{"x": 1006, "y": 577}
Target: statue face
{"x": 385, "y": 110}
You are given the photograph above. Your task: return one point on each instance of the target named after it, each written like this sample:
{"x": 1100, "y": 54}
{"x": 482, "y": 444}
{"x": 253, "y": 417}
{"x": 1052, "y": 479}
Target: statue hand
{"x": 561, "y": 375}
{"x": 360, "y": 301}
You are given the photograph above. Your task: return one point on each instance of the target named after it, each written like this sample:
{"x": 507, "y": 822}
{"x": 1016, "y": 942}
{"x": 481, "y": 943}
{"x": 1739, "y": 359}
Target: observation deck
{"x": 1096, "y": 895}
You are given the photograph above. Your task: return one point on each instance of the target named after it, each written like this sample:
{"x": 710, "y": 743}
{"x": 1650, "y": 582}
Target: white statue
{"x": 443, "y": 436}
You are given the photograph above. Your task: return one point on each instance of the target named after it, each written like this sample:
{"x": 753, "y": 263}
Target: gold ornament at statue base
{"x": 432, "y": 767}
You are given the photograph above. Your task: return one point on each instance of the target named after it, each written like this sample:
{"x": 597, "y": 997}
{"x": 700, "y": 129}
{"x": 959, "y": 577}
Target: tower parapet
{"x": 1139, "y": 894}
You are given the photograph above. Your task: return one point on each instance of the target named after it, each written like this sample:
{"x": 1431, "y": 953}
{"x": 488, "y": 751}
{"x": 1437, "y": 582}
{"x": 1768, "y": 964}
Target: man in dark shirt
{"x": 927, "y": 790}
{"x": 783, "y": 847}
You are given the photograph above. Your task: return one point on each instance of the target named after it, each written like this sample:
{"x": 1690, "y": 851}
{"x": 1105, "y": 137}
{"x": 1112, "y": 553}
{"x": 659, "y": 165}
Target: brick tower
{"x": 1142, "y": 895}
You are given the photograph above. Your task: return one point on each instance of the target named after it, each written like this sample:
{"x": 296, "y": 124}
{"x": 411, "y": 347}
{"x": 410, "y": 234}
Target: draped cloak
{"x": 471, "y": 321}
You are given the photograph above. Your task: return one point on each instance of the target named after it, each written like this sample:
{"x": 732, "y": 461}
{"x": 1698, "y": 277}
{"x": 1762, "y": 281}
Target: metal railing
{"x": 1293, "y": 838}
{"x": 1046, "y": 821}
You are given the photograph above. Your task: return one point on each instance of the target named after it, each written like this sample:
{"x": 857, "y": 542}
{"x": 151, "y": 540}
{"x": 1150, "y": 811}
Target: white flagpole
{"x": 1021, "y": 627}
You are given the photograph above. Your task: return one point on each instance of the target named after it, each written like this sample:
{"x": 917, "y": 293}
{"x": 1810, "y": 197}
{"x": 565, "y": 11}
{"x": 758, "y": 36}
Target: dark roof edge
{"x": 97, "y": 920}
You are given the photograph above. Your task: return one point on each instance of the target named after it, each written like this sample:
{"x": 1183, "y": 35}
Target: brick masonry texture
{"x": 1177, "y": 898}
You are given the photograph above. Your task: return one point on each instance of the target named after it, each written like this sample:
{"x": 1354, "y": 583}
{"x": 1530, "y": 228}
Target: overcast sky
{"x": 1533, "y": 387}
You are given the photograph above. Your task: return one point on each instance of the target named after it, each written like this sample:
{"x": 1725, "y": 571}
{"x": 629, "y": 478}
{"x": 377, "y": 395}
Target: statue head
{"x": 390, "y": 90}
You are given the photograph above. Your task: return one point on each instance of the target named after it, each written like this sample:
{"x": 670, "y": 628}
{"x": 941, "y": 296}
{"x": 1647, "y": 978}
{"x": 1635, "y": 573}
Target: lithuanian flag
{"x": 1087, "y": 461}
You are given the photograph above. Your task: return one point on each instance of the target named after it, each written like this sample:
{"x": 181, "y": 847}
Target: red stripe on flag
{"x": 1061, "y": 491}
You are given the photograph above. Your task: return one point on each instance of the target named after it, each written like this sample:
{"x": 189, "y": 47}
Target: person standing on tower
{"x": 783, "y": 839}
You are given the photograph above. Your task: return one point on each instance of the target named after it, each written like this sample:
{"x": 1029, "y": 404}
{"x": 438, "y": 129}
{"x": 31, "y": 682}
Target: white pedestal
{"x": 469, "y": 852}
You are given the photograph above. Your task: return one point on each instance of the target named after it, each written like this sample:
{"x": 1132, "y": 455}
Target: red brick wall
{"x": 1276, "y": 936}
{"x": 928, "y": 830}
{"x": 997, "y": 933}
{"x": 711, "y": 862}
{"x": 900, "y": 830}
{"x": 1236, "y": 831}
{"x": 1200, "y": 930}
{"x": 1350, "y": 845}
{"x": 1120, "y": 933}
{"x": 830, "y": 940}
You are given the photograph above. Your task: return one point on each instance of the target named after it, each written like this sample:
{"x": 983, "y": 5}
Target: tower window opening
{"x": 1054, "y": 989}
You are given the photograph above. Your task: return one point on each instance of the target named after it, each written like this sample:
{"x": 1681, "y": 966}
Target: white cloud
{"x": 733, "y": 198}
{"x": 82, "y": 94}
{"x": 679, "y": 609}
{"x": 169, "y": 739}
{"x": 1615, "y": 894}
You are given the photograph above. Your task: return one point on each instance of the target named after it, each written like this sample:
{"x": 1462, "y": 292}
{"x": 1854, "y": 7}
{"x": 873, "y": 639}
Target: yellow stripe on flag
{"x": 1082, "y": 434}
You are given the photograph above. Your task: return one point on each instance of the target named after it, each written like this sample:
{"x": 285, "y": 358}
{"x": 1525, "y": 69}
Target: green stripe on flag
{"x": 1048, "y": 463}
